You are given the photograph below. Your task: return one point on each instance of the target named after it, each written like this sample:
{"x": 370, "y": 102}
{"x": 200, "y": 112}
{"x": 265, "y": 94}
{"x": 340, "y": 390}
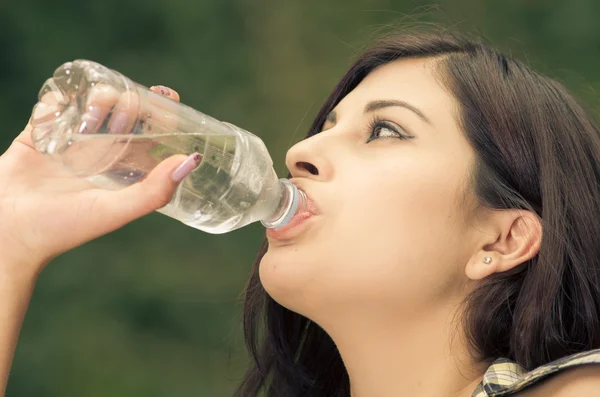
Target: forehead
{"x": 416, "y": 81}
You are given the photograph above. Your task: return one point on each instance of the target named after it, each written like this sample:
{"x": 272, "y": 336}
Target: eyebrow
{"x": 386, "y": 103}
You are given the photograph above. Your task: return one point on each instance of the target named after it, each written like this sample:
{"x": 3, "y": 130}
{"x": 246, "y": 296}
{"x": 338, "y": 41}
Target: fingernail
{"x": 164, "y": 90}
{"x": 90, "y": 120}
{"x": 118, "y": 123}
{"x": 186, "y": 167}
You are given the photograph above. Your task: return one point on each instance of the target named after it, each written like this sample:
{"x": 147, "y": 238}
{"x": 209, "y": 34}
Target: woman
{"x": 452, "y": 249}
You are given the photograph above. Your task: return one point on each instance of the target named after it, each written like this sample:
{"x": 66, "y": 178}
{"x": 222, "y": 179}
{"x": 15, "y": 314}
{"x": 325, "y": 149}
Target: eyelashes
{"x": 376, "y": 128}
{"x": 377, "y": 125}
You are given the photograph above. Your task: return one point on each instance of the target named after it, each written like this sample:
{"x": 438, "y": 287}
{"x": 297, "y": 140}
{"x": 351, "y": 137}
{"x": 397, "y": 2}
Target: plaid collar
{"x": 505, "y": 377}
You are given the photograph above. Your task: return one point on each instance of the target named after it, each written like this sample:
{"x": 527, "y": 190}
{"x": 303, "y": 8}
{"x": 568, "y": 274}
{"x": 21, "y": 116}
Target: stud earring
{"x": 487, "y": 260}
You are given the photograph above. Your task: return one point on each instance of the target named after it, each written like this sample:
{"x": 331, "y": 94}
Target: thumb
{"x": 153, "y": 193}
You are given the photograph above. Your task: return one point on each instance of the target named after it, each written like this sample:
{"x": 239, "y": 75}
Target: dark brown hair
{"x": 536, "y": 149}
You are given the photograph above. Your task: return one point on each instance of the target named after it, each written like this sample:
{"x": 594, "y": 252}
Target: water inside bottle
{"x": 215, "y": 197}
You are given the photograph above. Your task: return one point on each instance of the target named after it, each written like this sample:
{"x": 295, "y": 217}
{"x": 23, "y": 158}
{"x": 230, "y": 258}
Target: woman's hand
{"x": 45, "y": 211}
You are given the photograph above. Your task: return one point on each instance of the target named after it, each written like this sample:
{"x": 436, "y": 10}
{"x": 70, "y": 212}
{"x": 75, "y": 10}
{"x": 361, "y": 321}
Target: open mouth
{"x": 298, "y": 223}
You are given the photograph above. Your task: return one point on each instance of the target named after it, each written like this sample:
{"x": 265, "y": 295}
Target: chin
{"x": 287, "y": 278}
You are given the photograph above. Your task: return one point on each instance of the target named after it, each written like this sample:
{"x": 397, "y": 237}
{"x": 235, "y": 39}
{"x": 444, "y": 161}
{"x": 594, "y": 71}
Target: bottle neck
{"x": 292, "y": 201}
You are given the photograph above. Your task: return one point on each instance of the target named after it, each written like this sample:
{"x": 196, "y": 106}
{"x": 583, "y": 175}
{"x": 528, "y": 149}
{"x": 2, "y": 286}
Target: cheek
{"x": 387, "y": 241}
{"x": 396, "y": 228}
{"x": 402, "y": 200}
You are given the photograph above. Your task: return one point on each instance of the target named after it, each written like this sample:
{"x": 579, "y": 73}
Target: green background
{"x": 154, "y": 308}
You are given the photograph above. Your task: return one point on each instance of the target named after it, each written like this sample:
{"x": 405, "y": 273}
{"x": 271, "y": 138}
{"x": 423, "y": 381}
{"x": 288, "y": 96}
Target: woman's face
{"x": 390, "y": 170}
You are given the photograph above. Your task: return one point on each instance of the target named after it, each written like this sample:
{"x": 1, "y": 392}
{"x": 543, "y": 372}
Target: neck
{"x": 421, "y": 357}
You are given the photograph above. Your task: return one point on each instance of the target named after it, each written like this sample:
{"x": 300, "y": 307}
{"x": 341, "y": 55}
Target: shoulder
{"x": 578, "y": 381}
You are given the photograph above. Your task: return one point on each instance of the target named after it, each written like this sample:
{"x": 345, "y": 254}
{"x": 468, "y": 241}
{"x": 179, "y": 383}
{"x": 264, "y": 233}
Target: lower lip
{"x": 295, "y": 227}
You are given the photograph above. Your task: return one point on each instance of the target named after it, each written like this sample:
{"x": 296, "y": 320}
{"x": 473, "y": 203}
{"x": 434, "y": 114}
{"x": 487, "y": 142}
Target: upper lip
{"x": 311, "y": 204}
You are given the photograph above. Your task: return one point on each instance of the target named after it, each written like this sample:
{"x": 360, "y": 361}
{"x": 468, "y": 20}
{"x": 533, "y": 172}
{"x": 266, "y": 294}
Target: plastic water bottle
{"x": 104, "y": 127}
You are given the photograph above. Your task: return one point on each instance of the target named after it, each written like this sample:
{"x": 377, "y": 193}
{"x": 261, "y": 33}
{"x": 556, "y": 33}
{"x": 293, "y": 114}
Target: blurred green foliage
{"x": 153, "y": 309}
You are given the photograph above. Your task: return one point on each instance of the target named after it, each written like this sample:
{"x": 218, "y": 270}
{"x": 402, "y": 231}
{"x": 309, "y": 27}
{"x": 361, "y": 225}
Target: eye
{"x": 381, "y": 129}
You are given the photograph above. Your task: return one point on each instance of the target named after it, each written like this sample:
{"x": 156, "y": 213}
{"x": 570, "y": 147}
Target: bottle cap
{"x": 292, "y": 201}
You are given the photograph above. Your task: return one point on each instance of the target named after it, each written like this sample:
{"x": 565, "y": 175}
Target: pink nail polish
{"x": 186, "y": 167}
{"x": 91, "y": 120}
{"x": 164, "y": 90}
{"x": 119, "y": 122}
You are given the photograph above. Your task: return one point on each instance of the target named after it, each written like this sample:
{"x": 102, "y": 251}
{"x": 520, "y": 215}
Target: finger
{"x": 137, "y": 200}
{"x": 166, "y": 91}
{"x": 43, "y": 111}
{"x": 100, "y": 101}
{"x": 159, "y": 112}
{"x": 25, "y": 136}
{"x": 125, "y": 113}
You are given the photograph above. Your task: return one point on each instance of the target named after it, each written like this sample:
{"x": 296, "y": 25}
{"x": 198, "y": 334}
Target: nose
{"x": 306, "y": 159}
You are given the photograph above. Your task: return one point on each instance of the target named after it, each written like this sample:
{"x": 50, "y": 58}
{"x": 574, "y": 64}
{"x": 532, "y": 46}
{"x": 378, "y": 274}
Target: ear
{"x": 509, "y": 238}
